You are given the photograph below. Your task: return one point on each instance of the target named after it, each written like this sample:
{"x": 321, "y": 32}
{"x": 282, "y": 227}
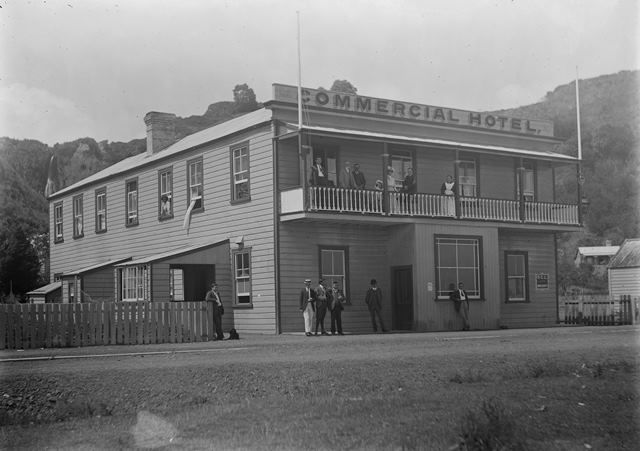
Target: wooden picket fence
{"x": 599, "y": 313}
{"x": 32, "y": 326}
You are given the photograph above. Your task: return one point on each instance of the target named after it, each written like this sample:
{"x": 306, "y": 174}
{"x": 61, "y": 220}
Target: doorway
{"x": 196, "y": 280}
{"x": 402, "y": 292}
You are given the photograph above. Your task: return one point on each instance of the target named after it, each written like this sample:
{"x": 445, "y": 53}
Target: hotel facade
{"x": 236, "y": 203}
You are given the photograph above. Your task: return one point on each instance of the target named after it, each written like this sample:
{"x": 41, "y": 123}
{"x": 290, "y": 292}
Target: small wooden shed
{"x": 47, "y": 294}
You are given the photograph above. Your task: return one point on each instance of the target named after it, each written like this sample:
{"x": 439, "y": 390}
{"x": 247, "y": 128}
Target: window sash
{"x": 458, "y": 260}
{"x": 132, "y": 281}
{"x": 195, "y": 177}
{"x": 166, "y": 189}
{"x": 467, "y": 178}
{"x": 528, "y": 182}
{"x": 333, "y": 267}
{"x": 242, "y": 265}
{"x": 241, "y": 173}
{"x": 516, "y": 275}
{"x": 101, "y": 211}
{"x": 77, "y": 216}
{"x": 132, "y": 202}
{"x": 57, "y": 213}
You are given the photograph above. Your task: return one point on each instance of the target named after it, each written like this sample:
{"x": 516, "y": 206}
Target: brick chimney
{"x": 161, "y": 131}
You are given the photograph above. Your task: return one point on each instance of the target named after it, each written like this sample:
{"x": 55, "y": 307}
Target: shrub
{"x": 489, "y": 429}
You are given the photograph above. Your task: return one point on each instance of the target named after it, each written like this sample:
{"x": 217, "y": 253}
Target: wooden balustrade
{"x": 435, "y": 205}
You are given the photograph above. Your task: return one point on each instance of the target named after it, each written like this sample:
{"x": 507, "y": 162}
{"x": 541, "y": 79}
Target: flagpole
{"x": 578, "y": 117}
{"x": 580, "y": 177}
{"x": 299, "y": 77}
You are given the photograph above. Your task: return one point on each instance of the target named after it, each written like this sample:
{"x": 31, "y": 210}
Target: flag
{"x": 187, "y": 217}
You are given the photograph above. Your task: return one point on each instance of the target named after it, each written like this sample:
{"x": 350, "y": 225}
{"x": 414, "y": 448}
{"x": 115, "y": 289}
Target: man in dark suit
{"x": 213, "y": 297}
{"x": 336, "y": 305}
{"x": 460, "y": 296}
{"x": 373, "y": 299}
{"x": 307, "y": 306}
{"x": 321, "y": 306}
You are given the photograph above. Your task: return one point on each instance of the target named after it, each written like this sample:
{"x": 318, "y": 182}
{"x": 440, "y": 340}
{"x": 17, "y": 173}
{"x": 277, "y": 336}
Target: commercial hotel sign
{"x": 405, "y": 110}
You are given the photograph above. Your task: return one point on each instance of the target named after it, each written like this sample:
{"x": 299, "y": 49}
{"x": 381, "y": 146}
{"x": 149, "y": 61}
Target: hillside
{"x": 609, "y": 109}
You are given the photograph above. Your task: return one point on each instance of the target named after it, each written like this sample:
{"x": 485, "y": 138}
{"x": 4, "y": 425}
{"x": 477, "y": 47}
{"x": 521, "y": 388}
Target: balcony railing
{"x": 326, "y": 199}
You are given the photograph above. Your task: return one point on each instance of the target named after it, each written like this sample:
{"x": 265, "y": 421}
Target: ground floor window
{"x": 516, "y": 276}
{"x": 132, "y": 283}
{"x": 333, "y": 267}
{"x": 242, "y": 266}
{"x": 458, "y": 260}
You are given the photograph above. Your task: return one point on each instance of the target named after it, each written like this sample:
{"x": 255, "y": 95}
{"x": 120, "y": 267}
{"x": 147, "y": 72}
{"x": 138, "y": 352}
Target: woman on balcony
{"x": 448, "y": 189}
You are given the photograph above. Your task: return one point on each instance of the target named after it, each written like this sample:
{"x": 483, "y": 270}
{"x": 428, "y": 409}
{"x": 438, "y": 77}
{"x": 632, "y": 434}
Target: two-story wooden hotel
{"x": 233, "y": 203}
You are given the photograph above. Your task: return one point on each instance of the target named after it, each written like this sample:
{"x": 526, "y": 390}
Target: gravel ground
{"x": 109, "y": 385}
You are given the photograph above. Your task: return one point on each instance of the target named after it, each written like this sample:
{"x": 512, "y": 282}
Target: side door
{"x": 402, "y": 292}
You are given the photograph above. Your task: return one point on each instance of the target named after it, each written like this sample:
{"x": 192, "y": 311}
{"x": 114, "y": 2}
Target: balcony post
{"x": 520, "y": 170}
{"x": 385, "y": 188}
{"x": 580, "y": 180}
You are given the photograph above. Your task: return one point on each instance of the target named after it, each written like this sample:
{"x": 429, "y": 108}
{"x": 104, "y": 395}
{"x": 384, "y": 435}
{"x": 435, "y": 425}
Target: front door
{"x": 402, "y": 292}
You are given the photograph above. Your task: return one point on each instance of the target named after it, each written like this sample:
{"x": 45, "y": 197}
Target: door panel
{"x": 403, "y": 298}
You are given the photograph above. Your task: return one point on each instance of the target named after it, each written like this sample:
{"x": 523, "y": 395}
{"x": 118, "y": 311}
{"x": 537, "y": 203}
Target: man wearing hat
{"x": 213, "y": 297}
{"x": 307, "y": 306}
{"x": 373, "y": 300}
{"x": 321, "y": 306}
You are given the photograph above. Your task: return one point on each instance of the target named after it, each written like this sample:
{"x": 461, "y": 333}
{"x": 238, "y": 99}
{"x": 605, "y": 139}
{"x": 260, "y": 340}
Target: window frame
{"x": 400, "y": 159}
{"x": 168, "y": 172}
{"x": 199, "y": 206}
{"x": 100, "y": 192}
{"x": 78, "y": 213}
{"x": 525, "y": 277}
{"x": 58, "y": 219}
{"x": 526, "y": 166}
{"x": 236, "y": 293}
{"x": 140, "y": 276}
{"x": 460, "y": 185}
{"x": 127, "y": 211}
{"x": 329, "y": 278}
{"x": 234, "y": 194}
{"x": 478, "y": 270}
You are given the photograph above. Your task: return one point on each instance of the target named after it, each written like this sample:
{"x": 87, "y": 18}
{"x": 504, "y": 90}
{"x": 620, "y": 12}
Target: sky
{"x": 93, "y": 68}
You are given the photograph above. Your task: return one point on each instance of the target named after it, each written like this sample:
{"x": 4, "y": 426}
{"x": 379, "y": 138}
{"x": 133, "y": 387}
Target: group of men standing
{"x": 314, "y": 303}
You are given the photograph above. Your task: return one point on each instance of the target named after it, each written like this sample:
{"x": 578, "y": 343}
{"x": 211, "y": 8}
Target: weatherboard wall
{"x": 541, "y": 308}
{"x": 219, "y": 220}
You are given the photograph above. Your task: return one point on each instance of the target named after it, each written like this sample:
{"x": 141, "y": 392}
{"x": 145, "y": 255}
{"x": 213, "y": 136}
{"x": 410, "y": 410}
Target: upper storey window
{"x": 165, "y": 193}
{"x": 58, "y": 236}
{"x": 195, "y": 184}
{"x": 101, "y": 210}
{"x": 467, "y": 178}
{"x": 78, "y": 222}
{"x": 132, "y": 202}
{"x": 240, "y": 173}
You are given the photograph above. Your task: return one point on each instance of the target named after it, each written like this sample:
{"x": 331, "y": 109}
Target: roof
{"x": 442, "y": 142}
{"x": 46, "y": 289}
{"x": 628, "y": 256}
{"x": 96, "y": 266}
{"x": 199, "y": 138}
{"x": 172, "y": 253}
{"x": 596, "y": 251}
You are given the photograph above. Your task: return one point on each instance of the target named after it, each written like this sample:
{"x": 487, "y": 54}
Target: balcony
{"x": 422, "y": 205}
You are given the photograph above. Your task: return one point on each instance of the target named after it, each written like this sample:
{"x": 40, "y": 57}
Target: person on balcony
{"x": 448, "y": 189}
{"x": 346, "y": 177}
{"x": 409, "y": 187}
{"x": 319, "y": 173}
{"x": 358, "y": 177}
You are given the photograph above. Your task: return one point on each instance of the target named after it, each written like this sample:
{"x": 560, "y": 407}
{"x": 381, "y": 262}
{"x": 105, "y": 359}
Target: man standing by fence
{"x": 215, "y": 302}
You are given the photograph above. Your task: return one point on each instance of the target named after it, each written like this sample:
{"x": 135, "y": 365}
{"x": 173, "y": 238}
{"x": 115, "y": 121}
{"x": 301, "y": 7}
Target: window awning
{"x": 104, "y": 264}
{"x": 45, "y": 289}
{"x": 375, "y": 136}
{"x": 172, "y": 253}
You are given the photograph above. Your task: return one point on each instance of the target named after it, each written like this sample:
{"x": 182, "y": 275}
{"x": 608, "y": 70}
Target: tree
{"x": 19, "y": 262}
{"x": 244, "y": 98}
{"x": 344, "y": 86}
